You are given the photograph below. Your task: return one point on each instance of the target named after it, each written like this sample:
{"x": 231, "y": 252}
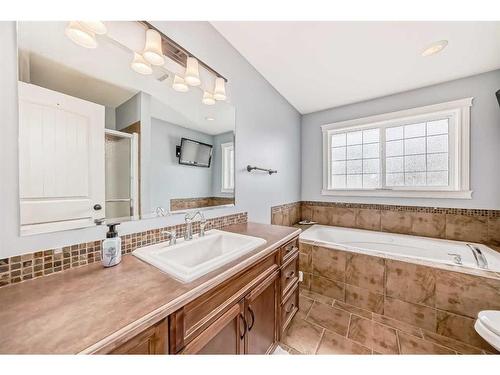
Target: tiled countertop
{"x": 85, "y": 310}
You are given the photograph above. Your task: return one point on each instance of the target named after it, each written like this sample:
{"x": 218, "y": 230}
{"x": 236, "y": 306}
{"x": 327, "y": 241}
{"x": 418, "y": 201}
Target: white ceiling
{"x": 319, "y": 65}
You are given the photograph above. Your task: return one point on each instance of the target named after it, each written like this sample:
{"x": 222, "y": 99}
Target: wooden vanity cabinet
{"x": 261, "y": 312}
{"x": 246, "y": 314}
{"x": 152, "y": 340}
{"x": 225, "y": 336}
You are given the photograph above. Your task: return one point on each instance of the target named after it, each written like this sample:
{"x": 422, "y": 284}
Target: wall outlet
{"x": 301, "y": 276}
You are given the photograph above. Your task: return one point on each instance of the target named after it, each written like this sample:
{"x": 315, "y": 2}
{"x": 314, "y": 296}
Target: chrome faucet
{"x": 189, "y": 224}
{"x": 171, "y": 235}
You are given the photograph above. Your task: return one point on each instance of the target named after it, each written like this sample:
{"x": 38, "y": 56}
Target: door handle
{"x": 245, "y": 327}
{"x": 97, "y": 207}
{"x": 253, "y": 318}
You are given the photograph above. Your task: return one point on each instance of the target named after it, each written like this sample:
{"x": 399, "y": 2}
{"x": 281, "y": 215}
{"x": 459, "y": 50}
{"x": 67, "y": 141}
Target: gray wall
{"x": 128, "y": 113}
{"x": 485, "y": 139}
{"x": 171, "y": 179}
{"x": 217, "y": 163}
{"x": 267, "y": 126}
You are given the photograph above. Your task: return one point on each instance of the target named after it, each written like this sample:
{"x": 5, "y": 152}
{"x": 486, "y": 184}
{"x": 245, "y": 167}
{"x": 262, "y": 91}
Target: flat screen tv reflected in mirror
{"x": 195, "y": 153}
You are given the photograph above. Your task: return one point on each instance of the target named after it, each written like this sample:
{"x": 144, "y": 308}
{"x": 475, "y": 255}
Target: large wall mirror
{"x": 100, "y": 140}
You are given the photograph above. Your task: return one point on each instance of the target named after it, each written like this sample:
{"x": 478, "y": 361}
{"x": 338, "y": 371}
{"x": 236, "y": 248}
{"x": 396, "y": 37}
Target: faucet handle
{"x": 172, "y": 236}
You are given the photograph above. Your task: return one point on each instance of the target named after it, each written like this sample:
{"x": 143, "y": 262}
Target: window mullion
{"x": 382, "y": 157}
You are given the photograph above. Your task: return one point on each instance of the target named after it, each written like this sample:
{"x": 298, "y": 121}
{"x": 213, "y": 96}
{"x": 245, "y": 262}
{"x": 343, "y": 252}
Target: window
{"x": 227, "y": 167}
{"x": 421, "y": 152}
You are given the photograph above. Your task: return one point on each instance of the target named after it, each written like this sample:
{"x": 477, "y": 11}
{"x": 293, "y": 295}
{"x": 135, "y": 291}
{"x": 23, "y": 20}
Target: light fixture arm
{"x": 176, "y": 52}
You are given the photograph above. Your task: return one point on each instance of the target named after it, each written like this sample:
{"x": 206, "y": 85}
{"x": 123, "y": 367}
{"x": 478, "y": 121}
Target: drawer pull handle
{"x": 291, "y": 248}
{"x": 290, "y": 274}
{"x": 244, "y": 326}
{"x": 253, "y": 319}
{"x": 290, "y": 308}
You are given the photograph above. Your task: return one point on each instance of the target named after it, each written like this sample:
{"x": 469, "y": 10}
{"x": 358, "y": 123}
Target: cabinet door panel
{"x": 224, "y": 336}
{"x": 261, "y": 308}
{"x": 150, "y": 341}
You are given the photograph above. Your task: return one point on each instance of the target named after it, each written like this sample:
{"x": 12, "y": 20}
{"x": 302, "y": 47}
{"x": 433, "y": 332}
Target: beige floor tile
{"x": 332, "y": 343}
{"x": 328, "y": 317}
{"x": 352, "y": 309}
{"x": 316, "y": 297}
{"x": 305, "y": 304}
{"x": 413, "y": 345}
{"x": 397, "y": 324}
{"x": 457, "y": 346}
{"x": 373, "y": 335}
{"x": 303, "y": 336}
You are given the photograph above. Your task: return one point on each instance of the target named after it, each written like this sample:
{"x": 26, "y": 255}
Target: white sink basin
{"x": 189, "y": 260}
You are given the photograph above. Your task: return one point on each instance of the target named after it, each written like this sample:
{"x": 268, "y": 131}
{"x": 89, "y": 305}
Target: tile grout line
{"x": 319, "y": 342}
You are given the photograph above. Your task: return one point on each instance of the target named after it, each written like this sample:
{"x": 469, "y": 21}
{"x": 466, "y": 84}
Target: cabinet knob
{"x": 97, "y": 207}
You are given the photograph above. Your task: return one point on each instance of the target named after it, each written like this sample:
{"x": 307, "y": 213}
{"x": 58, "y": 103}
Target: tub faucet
{"x": 189, "y": 224}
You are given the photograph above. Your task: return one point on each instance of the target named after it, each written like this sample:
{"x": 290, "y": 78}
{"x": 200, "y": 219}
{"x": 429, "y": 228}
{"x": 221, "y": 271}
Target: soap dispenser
{"x": 111, "y": 247}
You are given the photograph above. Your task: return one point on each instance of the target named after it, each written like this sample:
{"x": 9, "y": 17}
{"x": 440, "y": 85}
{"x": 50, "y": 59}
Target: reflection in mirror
{"x": 100, "y": 141}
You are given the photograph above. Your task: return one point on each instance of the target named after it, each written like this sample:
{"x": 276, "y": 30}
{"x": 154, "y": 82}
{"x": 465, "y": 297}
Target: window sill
{"x": 465, "y": 194}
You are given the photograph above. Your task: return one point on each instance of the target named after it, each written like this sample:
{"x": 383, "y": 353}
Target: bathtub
{"x": 404, "y": 247}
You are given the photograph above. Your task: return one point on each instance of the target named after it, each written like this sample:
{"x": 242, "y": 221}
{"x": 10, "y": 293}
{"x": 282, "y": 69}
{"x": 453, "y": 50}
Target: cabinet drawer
{"x": 289, "y": 249}
{"x": 290, "y": 274}
{"x": 289, "y": 307}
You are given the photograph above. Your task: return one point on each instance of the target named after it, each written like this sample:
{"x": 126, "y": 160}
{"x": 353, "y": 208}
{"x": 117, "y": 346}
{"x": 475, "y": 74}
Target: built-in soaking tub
{"x": 404, "y": 247}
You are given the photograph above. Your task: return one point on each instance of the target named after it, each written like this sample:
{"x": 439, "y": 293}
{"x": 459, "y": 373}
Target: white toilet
{"x": 488, "y": 327}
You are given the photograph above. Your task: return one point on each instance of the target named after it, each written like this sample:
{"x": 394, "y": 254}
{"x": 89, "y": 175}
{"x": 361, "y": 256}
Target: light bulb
{"x": 192, "y": 76}
{"x": 140, "y": 65}
{"x": 220, "y": 89}
{"x": 80, "y": 35}
{"x": 152, "y": 51}
{"x": 96, "y": 27}
{"x": 179, "y": 84}
{"x": 208, "y": 98}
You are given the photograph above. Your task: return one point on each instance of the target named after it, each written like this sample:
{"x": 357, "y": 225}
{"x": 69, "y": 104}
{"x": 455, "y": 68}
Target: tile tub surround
{"x": 286, "y": 214}
{"x": 481, "y": 226}
{"x": 391, "y": 306}
{"x": 45, "y": 262}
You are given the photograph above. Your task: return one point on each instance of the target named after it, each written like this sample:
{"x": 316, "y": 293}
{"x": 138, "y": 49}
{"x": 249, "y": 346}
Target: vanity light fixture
{"x": 192, "y": 75}
{"x": 220, "y": 89}
{"x": 97, "y": 27}
{"x": 153, "y": 51}
{"x": 208, "y": 98}
{"x": 179, "y": 84}
{"x": 208, "y": 118}
{"x": 434, "y": 48}
{"x": 80, "y": 34}
{"x": 140, "y": 65}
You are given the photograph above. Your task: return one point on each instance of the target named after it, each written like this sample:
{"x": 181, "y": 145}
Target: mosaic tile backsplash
{"x": 45, "y": 262}
{"x": 471, "y": 225}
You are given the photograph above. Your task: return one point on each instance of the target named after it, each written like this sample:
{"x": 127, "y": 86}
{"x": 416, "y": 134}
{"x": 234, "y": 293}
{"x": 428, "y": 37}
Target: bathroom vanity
{"x": 133, "y": 308}
{"x": 243, "y": 315}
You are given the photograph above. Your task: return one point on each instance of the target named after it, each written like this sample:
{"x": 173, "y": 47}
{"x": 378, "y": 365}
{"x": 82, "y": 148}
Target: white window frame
{"x": 458, "y": 114}
{"x": 224, "y": 148}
